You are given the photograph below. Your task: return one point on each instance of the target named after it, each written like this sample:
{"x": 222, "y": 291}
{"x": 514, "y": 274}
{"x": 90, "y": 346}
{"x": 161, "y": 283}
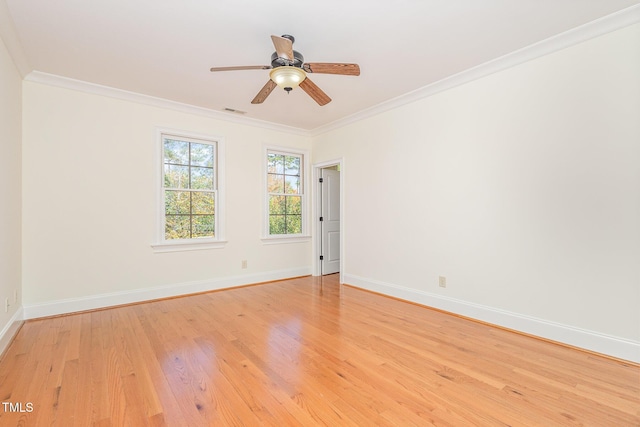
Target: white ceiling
{"x": 164, "y": 48}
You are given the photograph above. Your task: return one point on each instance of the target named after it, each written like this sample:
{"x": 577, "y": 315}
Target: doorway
{"x": 328, "y": 218}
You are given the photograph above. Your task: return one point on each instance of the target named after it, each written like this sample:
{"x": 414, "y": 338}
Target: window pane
{"x": 292, "y": 184}
{"x": 203, "y": 226}
{"x": 177, "y": 227}
{"x": 276, "y": 205}
{"x": 176, "y": 152}
{"x": 293, "y": 205}
{"x": 177, "y": 202}
{"x": 275, "y": 183}
{"x": 202, "y": 155}
{"x": 277, "y": 224}
{"x": 176, "y": 176}
{"x": 202, "y": 203}
{"x": 275, "y": 163}
{"x": 201, "y": 178}
{"x": 294, "y": 224}
{"x": 189, "y": 182}
{"x": 292, "y": 165}
{"x": 284, "y": 176}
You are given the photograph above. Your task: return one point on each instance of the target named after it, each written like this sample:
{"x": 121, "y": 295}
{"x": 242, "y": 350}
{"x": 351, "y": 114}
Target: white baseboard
{"x": 593, "y": 341}
{"x": 72, "y": 305}
{"x": 10, "y": 330}
{"x": 589, "y": 340}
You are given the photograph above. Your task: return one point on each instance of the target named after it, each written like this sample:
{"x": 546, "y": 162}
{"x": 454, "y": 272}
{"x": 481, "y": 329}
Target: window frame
{"x": 304, "y": 194}
{"x": 161, "y": 244}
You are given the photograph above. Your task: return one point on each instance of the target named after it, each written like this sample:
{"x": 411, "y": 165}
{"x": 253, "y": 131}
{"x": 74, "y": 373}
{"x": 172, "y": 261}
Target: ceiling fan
{"x": 288, "y": 70}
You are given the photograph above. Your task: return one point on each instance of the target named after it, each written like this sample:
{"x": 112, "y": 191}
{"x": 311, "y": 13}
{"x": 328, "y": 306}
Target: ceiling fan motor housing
{"x": 298, "y": 60}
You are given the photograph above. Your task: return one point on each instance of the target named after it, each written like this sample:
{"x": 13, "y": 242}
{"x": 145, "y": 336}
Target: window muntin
{"x": 189, "y": 188}
{"x": 285, "y": 193}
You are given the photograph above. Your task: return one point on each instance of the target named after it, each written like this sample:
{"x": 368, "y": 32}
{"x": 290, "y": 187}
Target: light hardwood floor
{"x": 302, "y": 352}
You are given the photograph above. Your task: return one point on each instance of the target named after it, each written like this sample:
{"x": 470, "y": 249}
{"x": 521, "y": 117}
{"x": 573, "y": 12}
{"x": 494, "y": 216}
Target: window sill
{"x": 277, "y": 240}
{"x": 187, "y": 245}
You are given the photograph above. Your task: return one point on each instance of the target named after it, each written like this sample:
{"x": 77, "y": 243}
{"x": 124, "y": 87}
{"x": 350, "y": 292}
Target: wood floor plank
{"x": 303, "y": 352}
{"x": 100, "y": 407}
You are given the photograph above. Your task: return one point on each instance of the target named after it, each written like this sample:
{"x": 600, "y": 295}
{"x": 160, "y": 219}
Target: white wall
{"x": 10, "y": 193}
{"x": 522, "y": 188}
{"x": 89, "y": 204}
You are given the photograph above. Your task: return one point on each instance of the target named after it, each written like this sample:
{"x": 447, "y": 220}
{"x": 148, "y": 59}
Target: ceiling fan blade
{"x": 284, "y": 47}
{"x": 264, "y": 92}
{"x": 315, "y": 92}
{"x": 332, "y": 68}
{"x": 242, "y": 67}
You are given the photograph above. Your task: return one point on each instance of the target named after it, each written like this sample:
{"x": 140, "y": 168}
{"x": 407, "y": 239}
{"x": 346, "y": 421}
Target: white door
{"x": 330, "y": 221}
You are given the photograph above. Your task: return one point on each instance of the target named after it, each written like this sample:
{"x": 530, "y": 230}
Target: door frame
{"x": 316, "y": 239}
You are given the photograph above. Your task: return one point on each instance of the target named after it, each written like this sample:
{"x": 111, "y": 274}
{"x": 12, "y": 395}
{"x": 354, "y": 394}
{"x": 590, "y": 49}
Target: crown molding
{"x": 96, "y": 89}
{"x": 599, "y": 27}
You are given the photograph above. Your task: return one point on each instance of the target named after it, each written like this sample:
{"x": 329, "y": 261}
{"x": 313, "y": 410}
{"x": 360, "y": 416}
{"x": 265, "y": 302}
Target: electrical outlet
{"x": 442, "y": 281}
{"x": 244, "y": 263}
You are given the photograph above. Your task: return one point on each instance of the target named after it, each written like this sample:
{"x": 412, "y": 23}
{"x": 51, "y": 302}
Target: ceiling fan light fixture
{"x": 288, "y": 77}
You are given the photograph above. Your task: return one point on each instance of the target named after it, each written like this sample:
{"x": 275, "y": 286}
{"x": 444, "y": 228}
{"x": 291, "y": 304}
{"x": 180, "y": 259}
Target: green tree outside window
{"x": 284, "y": 188}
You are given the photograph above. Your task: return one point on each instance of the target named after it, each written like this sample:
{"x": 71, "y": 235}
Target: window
{"x": 285, "y": 194}
{"x": 190, "y": 192}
